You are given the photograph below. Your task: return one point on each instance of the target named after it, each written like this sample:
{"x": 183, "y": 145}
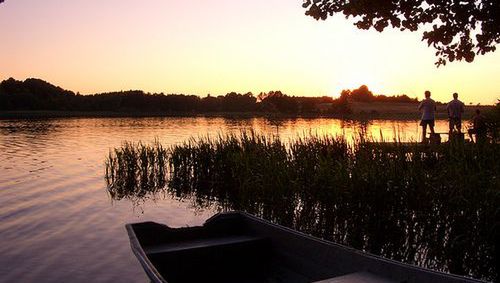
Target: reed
{"x": 136, "y": 171}
{"x": 435, "y": 206}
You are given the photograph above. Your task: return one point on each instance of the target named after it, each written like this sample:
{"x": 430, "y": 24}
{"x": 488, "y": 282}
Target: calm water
{"x": 57, "y": 223}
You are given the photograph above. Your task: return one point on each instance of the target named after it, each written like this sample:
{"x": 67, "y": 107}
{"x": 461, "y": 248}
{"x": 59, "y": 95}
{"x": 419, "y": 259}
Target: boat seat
{"x": 201, "y": 243}
{"x": 214, "y": 259}
{"x": 357, "y": 277}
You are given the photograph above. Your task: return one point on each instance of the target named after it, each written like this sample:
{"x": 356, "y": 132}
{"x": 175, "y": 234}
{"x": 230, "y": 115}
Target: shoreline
{"x": 242, "y": 115}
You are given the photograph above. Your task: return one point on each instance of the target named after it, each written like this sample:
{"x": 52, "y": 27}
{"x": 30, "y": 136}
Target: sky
{"x": 218, "y": 46}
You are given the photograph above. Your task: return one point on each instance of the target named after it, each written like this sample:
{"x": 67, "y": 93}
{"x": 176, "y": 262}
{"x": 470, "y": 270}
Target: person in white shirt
{"x": 455, "y": 109}
{"x": 428, "y": 109}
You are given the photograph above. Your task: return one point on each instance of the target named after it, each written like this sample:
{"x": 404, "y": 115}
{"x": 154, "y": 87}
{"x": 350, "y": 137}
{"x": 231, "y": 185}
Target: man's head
{"x": 427, "y": 94}
{"x": 455, "y": 95}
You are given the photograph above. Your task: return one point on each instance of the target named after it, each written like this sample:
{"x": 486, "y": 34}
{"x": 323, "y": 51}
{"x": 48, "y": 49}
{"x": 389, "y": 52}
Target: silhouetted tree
{"x": 239, "y": 102}
{"x": 458, "y": 30}
{"x": 34, "y": 94}
{"x": 362, "y": 94}
{"x": 210, "y": 103}
{"x": 276, "y": 101}
{"x": 341, "y": 105}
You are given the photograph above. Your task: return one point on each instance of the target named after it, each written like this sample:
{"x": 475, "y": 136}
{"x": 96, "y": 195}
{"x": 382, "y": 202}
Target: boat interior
{"x": 232, "y": 250}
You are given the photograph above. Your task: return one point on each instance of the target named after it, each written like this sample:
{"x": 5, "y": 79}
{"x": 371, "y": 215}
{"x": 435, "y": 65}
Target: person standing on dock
{"x": 455, "y": 109}
{"x": 428, "y": 109}
{"x": 480, "y": 128}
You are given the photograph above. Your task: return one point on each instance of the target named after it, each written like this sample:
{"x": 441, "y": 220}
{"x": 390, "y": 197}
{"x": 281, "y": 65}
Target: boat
{"x": 239, "y": 247}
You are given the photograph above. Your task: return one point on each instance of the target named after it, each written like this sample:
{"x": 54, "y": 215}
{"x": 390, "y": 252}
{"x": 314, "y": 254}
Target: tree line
{"x": 36, "y": 95}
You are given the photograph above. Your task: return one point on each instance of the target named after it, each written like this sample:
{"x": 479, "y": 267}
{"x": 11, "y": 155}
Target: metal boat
{"x": 239, "y": 247}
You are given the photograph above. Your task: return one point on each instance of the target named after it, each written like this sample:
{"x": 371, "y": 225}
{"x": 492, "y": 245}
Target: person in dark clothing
{"x": 479, "y": 127}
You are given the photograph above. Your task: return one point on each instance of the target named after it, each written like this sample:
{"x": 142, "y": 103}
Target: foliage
{"x": 35, "y": 94}
{"x": 458, "y": 30}
{"x": 276, "y": 101}
{"x": 436, "y": 206}
{"x": 342, "y": 104}
{"x": 364, "y": 94}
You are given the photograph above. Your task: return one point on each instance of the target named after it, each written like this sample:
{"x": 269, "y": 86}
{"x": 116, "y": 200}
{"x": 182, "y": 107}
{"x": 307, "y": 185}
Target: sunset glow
{"x": 200, "y": 47}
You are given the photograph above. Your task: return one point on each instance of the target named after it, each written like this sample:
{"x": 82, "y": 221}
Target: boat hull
{"x": 239, "y": 247}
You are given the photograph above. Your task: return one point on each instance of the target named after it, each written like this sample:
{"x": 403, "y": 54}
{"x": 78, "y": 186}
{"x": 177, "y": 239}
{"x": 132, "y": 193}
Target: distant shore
{"x": 38, "y": 99}
{"x": 360, "y": 111}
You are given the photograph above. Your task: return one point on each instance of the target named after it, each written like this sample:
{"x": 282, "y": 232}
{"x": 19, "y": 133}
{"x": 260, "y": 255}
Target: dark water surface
{"x": 57, "y": 223}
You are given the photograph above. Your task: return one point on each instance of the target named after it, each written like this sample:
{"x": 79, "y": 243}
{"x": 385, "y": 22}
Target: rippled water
{"x": 57, "y": 223}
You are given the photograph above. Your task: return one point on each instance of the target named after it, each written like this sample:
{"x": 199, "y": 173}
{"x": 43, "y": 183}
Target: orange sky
{"x": 218, "y": 46}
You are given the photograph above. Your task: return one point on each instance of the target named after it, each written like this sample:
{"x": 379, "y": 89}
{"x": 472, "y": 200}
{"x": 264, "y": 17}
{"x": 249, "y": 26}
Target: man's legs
{"x": 431, "y": 126}
{"x": 424, "y": 131}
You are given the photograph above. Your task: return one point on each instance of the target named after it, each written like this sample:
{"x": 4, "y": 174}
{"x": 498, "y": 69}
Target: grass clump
{"x": 136, "y": 171}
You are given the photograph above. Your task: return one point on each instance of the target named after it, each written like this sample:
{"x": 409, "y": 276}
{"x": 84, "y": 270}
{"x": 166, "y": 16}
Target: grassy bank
{"x": 432, "y": 206}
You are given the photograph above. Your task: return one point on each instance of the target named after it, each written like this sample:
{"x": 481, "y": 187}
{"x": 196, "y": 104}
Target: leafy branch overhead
{"x": 457, "y": 29}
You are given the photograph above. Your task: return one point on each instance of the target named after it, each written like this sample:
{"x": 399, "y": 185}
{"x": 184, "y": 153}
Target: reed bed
{"x": 136, "y": 171}
{"x": 435, "y": 206}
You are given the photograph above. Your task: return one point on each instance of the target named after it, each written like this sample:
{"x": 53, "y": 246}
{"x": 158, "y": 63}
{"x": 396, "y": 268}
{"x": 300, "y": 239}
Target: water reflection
{"x": 232, "y": 122}
{"x": 411, "y": 203}
{"x": 31, "y": 128}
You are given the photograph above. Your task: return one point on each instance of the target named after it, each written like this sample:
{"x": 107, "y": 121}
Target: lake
{"x": 57, "y": 222}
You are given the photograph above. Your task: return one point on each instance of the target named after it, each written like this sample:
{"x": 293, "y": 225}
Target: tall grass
{"x": 436, "y": 206}
{"x": 136, "y": 171}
